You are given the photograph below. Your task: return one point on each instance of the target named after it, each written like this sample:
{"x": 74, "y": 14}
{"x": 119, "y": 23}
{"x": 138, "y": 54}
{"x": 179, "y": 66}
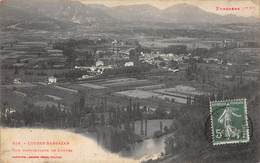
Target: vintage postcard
{"x": 129, "y": 81}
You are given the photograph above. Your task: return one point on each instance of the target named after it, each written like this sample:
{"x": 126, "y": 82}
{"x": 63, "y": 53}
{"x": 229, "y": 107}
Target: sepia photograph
{"x": 129, "y": 81}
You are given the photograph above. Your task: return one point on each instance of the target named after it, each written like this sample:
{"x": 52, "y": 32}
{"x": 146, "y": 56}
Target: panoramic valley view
{"x": 137, "y": 79}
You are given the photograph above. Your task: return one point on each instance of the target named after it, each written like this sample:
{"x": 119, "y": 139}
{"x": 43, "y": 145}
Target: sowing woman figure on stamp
{"x": 226, "y": 120}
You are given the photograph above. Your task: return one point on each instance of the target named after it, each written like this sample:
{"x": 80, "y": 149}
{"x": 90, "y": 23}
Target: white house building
{"x": 52, "y": 80}
{"x": 129, "y": 64}
{"x": 99, "y": 63}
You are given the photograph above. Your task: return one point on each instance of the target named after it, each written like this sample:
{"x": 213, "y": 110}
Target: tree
{"x": 102, "y": 119}
{"x": 16, "y": 70}
{"x": 134, "y": 55}
{"x": 202, "y": 52}
{"x": 75, "y": 114}
{"x": 4, "y": 112}
{"x": 82, "y": 103}
{"x": 162, "y": 64}
{"x": 173, "y": 64}
{"x": 160, "y": 113}
{"x": 93, "y": 118}
{"x": 30, "y": 113}
{"x": 69, "y": 52}
{"x": 89, "y": 59}
{"x": 176, "y": 49}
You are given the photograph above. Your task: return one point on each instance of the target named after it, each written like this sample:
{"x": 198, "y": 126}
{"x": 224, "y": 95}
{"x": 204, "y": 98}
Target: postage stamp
{"x": 229, "y": 121}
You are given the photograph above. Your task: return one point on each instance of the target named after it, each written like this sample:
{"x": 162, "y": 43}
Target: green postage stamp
{"x": 229, "y": 121}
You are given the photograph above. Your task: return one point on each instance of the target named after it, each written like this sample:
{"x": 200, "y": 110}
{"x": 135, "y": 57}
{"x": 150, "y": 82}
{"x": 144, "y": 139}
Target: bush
{"x": 157, "y": 134}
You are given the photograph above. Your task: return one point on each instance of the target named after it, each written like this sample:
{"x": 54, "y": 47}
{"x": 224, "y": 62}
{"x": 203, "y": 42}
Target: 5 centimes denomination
{"x": 229, "y": 121}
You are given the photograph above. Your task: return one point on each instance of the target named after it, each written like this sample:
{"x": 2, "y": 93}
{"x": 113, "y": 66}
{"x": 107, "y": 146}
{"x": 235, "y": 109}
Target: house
{"x": 99, "y": 63}
{"x": 229, "y": 64}
{"x": 173, "y": 70}
{"x": 52, "y": 80}
{"x": 212, "y": 60}
{"x": 129, "y": 64}
{"x": 17, "y": 81}
{"x": 86, "y": 76}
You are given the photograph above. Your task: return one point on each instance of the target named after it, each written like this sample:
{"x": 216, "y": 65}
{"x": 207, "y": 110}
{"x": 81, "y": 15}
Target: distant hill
{"x": 12, "y": 17}
{"x": 64, "y": 10}
{"x": 137, "y": 13}
{"x": 185, "y": 13}
{"x": 181, "y": 13}
{"x": 76, "y": 12}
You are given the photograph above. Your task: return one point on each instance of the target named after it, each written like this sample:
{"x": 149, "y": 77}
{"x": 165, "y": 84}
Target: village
{"x": 111, "y": 86}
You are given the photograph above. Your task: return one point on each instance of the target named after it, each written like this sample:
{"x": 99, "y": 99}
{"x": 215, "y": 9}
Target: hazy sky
{"x": 247, "y": 7}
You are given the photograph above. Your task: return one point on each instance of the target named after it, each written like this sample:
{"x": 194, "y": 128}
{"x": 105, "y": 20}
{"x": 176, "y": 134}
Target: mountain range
{"x": 75, "y": 12}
